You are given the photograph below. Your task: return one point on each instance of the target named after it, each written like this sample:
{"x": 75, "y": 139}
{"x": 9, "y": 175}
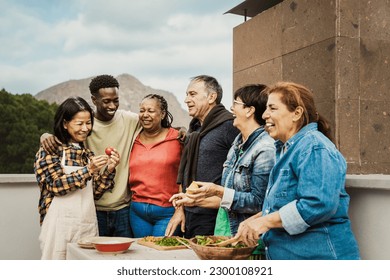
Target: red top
{"x": 153, "y": 170}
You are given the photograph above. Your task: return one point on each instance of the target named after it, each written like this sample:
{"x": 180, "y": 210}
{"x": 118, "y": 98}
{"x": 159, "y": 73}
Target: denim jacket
{"x": 245, "y": 176}
{"x": 307, "y": 187}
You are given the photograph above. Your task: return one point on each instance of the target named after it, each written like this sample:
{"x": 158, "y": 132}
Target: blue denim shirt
{"x": 245, "y": 176}
{"x": 307, "y": 187}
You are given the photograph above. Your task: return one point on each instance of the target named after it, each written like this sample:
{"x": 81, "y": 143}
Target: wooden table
{"x": 135, "y": 252}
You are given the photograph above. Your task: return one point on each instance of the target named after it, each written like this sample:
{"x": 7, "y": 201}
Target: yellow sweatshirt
{"x": 120, "y": 134}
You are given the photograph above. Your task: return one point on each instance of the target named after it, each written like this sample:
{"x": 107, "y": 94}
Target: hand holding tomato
{"x": 114, "y": 158}
{"x": 108, "y": 151}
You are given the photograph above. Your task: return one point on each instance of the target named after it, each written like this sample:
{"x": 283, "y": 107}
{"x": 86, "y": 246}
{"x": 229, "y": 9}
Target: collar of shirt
{"x": 283, "y": 147}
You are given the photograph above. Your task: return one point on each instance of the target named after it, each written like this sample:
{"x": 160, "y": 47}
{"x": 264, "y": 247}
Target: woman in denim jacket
{"x": 305, "y": 211}
{"x": 247, "y": 167}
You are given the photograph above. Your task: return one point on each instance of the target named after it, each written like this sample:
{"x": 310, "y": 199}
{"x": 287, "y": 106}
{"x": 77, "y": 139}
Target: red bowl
{"x": 112, "y": 244}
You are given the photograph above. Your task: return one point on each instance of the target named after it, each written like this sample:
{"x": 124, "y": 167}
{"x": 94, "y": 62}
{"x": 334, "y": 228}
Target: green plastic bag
{"x": 222, "y": 224}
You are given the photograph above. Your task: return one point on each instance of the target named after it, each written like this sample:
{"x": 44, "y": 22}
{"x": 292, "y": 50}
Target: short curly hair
{"x": 102, "y": 81}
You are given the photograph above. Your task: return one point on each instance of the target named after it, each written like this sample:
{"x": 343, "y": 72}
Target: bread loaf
{"x": 192, "y": 187}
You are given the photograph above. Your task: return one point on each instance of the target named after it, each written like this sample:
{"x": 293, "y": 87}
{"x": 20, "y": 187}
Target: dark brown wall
{"x": 340, "y": 49}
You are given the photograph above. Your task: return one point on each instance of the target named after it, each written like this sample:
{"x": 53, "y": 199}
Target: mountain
{"x": 131, "y": 92}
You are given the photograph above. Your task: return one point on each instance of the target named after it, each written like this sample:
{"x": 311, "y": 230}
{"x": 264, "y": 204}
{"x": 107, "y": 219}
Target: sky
{"x": 163, "y": 43}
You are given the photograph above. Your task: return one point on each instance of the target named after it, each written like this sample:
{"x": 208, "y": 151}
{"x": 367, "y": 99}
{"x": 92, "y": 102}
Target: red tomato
{"x": 108, "y": 151}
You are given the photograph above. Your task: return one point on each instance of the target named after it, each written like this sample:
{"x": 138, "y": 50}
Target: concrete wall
{"x": 369, "y": 208}
{"x": 340, "y": 50}
{"x": 19, "y": 217}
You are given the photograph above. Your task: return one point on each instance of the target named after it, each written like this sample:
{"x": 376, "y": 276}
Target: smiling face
{"x": 150, "y": 114}
{"x": 240, "y": 112}
{"x": 198, "y": 100}
{"x": 79, "y": 126}
{"x": 281, "y": 124}
{"x": 106, "y": 102}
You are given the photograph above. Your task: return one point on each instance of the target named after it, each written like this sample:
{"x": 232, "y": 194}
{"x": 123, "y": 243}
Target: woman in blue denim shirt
{"x": 247, "y": 167}
{"x": 305, "y": 211}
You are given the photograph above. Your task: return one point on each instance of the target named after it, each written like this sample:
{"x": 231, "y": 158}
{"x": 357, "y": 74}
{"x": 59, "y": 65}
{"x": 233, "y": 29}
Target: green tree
{"x": 23, "y": 119}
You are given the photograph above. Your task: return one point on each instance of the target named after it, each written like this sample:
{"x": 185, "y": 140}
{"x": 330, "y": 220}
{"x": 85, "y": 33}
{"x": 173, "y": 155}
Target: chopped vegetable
{"x": 170, "y": 241}
{"x": 206, "y": 240}
{"x": 203, "y": 240}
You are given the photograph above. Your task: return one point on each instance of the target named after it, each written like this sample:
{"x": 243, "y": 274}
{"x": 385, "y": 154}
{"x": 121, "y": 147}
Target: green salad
{"x": 206, "y": 240}
{"x": 170, "y": 241}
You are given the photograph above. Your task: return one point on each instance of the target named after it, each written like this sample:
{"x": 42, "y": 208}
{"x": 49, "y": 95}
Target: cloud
{"x": 162, "y": 42}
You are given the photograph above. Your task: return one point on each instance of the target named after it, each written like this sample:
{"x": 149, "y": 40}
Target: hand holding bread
{"x": 192, "y": 187}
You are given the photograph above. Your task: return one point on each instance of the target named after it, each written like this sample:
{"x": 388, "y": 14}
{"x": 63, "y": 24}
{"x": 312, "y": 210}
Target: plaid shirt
{"x": 53, "y": 181}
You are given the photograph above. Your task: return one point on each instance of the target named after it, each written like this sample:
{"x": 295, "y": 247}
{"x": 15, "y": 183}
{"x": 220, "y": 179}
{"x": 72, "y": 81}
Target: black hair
{"x": 255, "y": 95}
{"x": 66, "y": 111}
{"x": 211, "y": 85}
{"x": 168, "y": 119}
{"x": 102, "y": 81}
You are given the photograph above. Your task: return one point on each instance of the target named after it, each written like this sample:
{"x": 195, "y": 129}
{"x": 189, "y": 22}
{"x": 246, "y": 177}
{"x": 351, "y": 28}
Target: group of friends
{"x": 267, "y": 170}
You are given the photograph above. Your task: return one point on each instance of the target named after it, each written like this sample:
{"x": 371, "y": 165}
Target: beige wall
{"x": 19, "y": 217}
{"x": 340, "y": 50}
{"x": 369, "y": 205}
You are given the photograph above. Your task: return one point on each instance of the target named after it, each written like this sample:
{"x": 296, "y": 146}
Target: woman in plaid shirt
{"x": 70, "y": 180}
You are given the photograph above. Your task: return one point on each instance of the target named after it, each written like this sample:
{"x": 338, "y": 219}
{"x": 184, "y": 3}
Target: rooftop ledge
{"x": 370, "y": 181}
{"x": 17, "y": 178}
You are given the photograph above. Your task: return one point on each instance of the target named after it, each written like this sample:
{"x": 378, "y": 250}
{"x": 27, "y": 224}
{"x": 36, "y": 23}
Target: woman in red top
{"x": 154, "y": 163}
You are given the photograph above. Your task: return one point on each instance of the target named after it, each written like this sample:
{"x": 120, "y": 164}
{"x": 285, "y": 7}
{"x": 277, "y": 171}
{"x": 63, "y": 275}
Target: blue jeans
{"x": 149, "y": 219}
{"x": 114, "y": 223}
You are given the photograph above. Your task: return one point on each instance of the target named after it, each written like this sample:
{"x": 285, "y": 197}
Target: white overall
{"x": 68, "y": 219}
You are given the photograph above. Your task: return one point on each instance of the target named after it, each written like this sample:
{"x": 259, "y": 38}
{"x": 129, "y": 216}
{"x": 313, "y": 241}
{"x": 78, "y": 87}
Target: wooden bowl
{"x": 112, "y": 245}
{"x": 220, "y": 253}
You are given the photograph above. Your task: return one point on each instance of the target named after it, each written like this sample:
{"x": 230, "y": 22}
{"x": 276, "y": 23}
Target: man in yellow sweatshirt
{"x": 118, "y": 129}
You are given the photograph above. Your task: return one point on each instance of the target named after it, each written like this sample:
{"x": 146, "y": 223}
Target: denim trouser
{"x": 114, "y": 223}
{"x": 149, "y": 219}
